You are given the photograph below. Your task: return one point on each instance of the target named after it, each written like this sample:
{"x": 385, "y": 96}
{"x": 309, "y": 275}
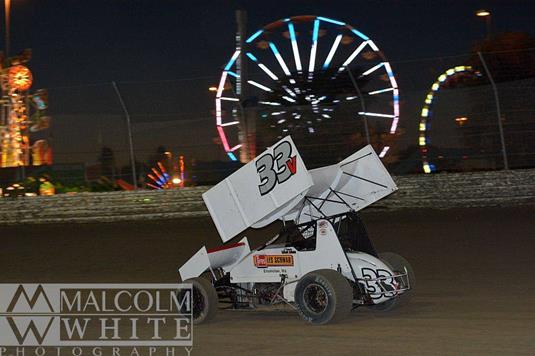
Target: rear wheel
{"x": 398, "y": 265}
{"x": 323, "y": 296}
{"x": 203, "y": 300}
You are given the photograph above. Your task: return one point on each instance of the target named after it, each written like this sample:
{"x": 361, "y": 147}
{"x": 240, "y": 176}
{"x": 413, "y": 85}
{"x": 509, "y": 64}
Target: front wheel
{"x": 323, "y": 296}
{"x": 398, "y": 265}
{"x": 203, "y": 300}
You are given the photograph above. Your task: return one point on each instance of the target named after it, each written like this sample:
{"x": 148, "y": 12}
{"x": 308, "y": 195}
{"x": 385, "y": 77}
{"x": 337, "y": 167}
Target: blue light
{"x": 253, "y": 58}
{"x": 331, "y": 21}
{"x": 41, "y": 105}
{"x": 316, "y": 31}
{"x": 295, "y": 48}
{"x": 235, "y": 75}
{"x": 231, "y": 62}
{"x": 231, "y": 156}
{"x": 273, "y": 48}
{"x": 254, "y": 36}
{"x": 292, "y": 32}
{"x": 360, "y": 34}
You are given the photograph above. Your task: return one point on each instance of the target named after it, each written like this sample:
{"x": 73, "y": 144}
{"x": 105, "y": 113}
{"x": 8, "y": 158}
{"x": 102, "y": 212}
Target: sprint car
{"x": 322, "y": 263}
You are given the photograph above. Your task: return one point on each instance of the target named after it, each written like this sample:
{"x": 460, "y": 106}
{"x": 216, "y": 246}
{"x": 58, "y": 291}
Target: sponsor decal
{"x": 263, "y": 261}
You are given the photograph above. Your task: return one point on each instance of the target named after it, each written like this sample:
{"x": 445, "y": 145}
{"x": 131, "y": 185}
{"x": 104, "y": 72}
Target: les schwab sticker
{"x": 262, "y": 261}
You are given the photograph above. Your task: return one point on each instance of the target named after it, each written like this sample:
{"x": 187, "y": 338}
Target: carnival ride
{"x": 308, "y": 71}
{"x": 322, "y": 263}
{"x": 424, "y": 128}
{"x": 22, "y": 114}
{"x": 167, "y": 178}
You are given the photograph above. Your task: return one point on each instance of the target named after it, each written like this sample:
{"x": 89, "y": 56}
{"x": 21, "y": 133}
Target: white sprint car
{"x": 322, "y": 263}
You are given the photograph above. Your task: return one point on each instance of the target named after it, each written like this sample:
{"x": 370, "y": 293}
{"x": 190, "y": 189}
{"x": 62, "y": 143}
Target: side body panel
{"x": 271, "y": 264}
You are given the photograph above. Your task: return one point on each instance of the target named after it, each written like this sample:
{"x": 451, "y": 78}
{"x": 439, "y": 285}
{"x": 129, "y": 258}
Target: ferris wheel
{"x": 308, "y": 75}
{"x": 449, "y": 78}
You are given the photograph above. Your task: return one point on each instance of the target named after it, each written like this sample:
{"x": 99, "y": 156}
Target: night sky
{"x": 76, "y": 43}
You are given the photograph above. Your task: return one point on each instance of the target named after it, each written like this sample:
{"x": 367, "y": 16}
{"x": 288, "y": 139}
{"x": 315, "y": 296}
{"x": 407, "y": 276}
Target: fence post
{"x": 130, "y": 138}
{"x": 498, "y": 110}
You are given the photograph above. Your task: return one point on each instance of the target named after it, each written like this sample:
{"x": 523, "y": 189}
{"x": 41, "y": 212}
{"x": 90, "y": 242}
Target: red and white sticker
{"x": 263, "y": 261}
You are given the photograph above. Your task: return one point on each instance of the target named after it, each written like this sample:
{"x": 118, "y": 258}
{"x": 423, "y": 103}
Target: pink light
{"x": 223, "y": 138}
{"x": 235, "y": 148}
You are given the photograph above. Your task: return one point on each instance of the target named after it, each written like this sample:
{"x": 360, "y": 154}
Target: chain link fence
{"x": 479, "y": 117}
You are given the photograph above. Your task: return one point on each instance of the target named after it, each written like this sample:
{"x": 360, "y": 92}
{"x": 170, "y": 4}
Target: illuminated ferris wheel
{"x": 308, "y": 75}
{"x": 449, "y": 78}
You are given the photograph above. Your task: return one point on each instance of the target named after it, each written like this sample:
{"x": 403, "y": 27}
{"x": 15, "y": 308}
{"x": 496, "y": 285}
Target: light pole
{"x": 488, "y": 19}
{"x": 7, "y": 13}
{"x": 130, "y": 137}
{"x": 498, "y": 110}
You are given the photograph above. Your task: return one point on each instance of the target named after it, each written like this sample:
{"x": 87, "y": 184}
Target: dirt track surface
{"x": 475, "y": 271}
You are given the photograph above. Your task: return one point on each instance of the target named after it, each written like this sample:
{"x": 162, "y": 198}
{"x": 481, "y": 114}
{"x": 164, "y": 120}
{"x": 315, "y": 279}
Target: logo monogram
{"x": 32, "y": 327}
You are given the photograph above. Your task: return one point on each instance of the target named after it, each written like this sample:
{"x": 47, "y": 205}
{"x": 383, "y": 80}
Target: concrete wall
{"x": 440, "y": 191}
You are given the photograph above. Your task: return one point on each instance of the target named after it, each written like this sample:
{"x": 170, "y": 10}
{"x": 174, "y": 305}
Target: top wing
{"x": 356, "y": 182}
{"x": 260, "y": 192}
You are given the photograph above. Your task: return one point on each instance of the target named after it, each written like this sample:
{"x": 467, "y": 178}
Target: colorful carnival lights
{"x": 425, "y": 114}
{"x": 302, "y": 32}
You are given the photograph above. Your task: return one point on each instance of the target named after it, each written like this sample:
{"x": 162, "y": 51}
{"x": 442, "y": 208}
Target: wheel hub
{"x": 315, "y": 297}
